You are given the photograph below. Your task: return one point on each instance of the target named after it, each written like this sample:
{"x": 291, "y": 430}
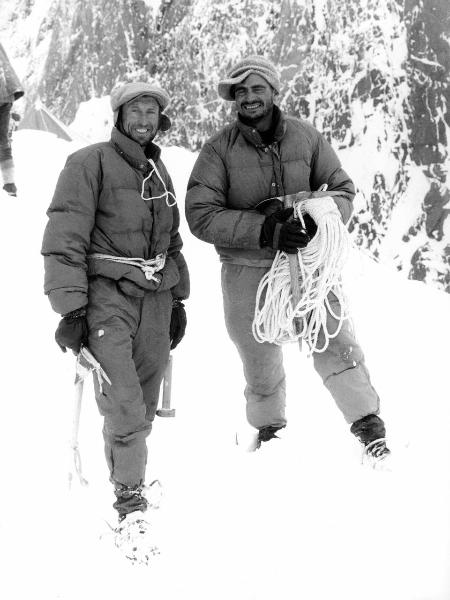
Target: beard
{"x": 253, "y": 117}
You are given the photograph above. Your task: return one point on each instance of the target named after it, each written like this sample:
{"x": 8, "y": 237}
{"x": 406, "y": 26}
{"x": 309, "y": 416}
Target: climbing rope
{"x": 148, "y": 267}
{"x": 278, "y": 319}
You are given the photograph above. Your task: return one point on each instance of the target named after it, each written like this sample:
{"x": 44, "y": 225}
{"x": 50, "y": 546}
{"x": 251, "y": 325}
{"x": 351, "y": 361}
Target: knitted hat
{"x": 252, "y": 64}
{"x": 124, "y": 93}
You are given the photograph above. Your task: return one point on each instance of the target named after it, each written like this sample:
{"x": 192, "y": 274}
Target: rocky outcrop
{"x": 372, "y": 76}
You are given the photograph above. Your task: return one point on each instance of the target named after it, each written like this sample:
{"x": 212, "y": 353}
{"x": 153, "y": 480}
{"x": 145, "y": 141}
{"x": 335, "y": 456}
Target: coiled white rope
{"x": 278, "y": 319}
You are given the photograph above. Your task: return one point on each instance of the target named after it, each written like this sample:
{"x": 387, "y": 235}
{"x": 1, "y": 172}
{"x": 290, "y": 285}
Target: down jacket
{"x": 97, "y": 208}
{"x": 235, "y": 171}
{"x": 10, "y": 86}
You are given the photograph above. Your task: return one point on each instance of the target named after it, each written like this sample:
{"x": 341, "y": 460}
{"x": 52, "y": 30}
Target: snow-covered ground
{"x": 300, "y": 519}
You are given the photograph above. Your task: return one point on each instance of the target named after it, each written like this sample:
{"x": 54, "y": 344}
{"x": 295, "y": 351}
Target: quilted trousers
{"x": 341, "y": 366}
{"x": 129, "y": 336}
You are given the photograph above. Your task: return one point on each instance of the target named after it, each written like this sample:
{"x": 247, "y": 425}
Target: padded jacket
{"x": 97, "y": 208}
{"x": 235, "y": 171}
{"x": 10, "y": 86}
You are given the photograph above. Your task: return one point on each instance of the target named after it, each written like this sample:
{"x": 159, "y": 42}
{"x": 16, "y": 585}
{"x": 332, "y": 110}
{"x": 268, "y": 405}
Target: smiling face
{"x": 140, "y": 119}
{"x": 254, "y": 101}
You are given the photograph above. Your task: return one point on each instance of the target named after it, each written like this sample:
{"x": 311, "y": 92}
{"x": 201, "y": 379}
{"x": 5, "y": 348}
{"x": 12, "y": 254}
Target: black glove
{"x": 72, "y": 330}
{"x": 177, "y": 323}
{"x": 310, "y": 224}
{"x": 280, "y": 234}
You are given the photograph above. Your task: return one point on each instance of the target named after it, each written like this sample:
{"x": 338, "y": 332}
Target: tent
{"x": 39, "y": 117}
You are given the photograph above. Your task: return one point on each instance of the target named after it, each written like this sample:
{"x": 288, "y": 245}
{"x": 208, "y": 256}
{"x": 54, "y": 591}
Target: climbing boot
{"x": 250, "y": 439}
{"x": 10, "y": 188}
{"x": 371, "y": 433}
{"x": 129, "y": 499}
{"x": 265, "y": 434}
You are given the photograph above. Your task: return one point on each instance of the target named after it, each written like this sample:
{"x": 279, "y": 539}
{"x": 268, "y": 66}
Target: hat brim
{"x": 225, "y": 86}
{"x": 130, "y": 95}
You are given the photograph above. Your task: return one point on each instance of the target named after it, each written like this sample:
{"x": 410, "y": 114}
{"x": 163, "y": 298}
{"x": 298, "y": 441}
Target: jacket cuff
{"x": 64, "y": 301}
{"x": 345, "y": 207}
{"x": 75, "y": 314}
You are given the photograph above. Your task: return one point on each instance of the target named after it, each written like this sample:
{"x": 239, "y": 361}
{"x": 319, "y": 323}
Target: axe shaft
{"x": 165, "y": 410}
{"x": 288, "y": 202}
{"x": 294, "y": 271}
{"x": 76, "y": 469}
{"x": 77, "y": 412}
{"x": 167, "y": 384}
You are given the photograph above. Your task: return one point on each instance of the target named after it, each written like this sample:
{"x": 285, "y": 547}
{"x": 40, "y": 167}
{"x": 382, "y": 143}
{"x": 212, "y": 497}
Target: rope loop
{"x": 149, "y": 267}
{"x": 166, "y": 193}
{"x": 277, "y": 318}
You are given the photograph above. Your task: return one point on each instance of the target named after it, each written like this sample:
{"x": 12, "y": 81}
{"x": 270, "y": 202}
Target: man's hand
{"x": 72, "y": 331}
{"x": 310, "y": 225}
{"x": 178, "y": 323}
{"x": 280, "y": 234}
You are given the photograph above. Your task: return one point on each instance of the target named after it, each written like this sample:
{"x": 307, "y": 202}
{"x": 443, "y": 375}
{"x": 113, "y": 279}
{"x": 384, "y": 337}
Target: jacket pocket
{"x": 129, "y": 288}
{"x": 170, "y": 275}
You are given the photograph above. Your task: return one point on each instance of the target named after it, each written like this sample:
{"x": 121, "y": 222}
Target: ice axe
{"x": 84, "y": 365}
{"x": 272, "y": 204}
{"x": 294, "y": 271}
{"x": 165, "y": 410}
{"x": 77, "y": 467}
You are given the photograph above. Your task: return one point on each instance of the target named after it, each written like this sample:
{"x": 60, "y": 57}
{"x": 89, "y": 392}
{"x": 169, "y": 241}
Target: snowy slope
{"x": 300, "y": 520}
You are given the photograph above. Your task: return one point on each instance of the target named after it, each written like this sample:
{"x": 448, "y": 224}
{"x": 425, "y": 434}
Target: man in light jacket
{"x": 115, "y": 272}
{"x": 265, "y": 154}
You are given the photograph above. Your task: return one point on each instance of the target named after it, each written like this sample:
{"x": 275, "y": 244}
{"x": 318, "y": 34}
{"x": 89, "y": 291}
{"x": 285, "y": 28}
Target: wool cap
{"x": 252, "y": 64}
{"x": 126, "y": 92}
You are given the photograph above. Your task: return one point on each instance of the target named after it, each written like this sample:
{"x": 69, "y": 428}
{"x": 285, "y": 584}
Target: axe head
{"x": 165, "y": 412}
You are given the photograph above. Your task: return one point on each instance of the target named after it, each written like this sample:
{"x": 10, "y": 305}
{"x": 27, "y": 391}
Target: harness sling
{"x": 148, "y": 267}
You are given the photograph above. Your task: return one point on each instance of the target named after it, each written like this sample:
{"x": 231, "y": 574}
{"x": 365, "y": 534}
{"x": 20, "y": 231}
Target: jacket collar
{"x": 132, "y": 152}
{"x": 252, "y": 135}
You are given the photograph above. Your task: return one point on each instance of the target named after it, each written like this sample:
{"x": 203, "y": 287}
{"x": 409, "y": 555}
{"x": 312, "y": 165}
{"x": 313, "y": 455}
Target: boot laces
{"x": 130, "y": 492}
{"x": 376, "y": 450}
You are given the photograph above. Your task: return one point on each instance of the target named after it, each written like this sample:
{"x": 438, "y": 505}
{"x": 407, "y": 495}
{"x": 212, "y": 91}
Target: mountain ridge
{"x": 372, "y": 77}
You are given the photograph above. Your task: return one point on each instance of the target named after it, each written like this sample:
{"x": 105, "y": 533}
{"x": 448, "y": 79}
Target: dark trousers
{"x": 5, "y": 143}
{"x": 129, "y": 336}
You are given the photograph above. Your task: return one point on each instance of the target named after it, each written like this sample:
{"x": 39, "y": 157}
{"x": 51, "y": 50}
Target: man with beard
{"x": 115, "y": 272}
{"x": 262, "y": 155}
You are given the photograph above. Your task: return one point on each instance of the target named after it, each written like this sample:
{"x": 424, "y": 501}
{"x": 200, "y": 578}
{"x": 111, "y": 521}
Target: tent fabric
{"x": 39, "y": 117}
